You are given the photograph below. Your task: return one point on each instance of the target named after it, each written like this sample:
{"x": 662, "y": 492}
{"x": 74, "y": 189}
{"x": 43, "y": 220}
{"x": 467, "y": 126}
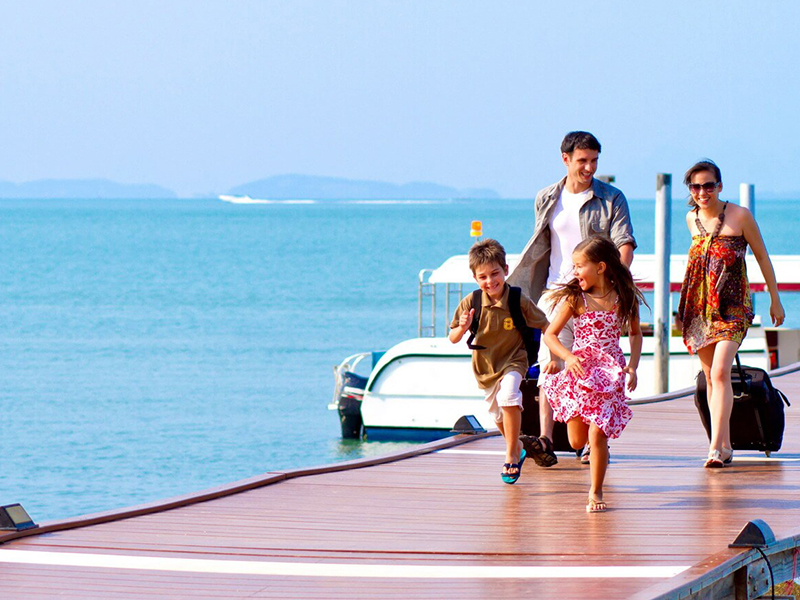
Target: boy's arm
{"x": 462, "y": 319}
{"x": 534, "y": 316}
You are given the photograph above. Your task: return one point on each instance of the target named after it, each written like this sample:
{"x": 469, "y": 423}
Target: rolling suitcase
{"x": 757, "y": 419}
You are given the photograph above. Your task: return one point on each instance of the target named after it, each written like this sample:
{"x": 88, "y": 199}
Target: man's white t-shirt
{"x": 565, "y": 234}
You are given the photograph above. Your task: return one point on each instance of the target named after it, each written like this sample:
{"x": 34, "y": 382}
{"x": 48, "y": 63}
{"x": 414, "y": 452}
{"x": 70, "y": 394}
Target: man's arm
{"x": 522, "y": 275}
{"x": 621, "y": 229}
{"x": 626, "y": 254}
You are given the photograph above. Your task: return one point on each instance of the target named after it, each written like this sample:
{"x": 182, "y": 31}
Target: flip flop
{"x": 511, "y": 478}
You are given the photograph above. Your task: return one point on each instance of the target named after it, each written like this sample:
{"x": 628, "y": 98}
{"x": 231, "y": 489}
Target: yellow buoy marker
{"x": 476, "y": 229}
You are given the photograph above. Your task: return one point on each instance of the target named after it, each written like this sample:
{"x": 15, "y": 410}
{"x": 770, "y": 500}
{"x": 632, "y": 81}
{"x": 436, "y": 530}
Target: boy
{"x": 502, "y": 362}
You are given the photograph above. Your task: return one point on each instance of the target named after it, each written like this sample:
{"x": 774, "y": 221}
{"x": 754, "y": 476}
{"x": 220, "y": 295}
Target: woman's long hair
{"x": 597, "y": 249}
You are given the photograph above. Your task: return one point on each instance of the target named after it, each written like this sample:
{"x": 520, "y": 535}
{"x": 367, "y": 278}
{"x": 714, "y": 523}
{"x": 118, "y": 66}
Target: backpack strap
{"x": 515, "y": 308}
{"x": 477, "y": 296}
{"x": 529, "y": 335}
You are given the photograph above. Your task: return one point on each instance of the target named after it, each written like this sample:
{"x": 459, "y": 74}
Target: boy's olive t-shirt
{"x": 504, "y": 349}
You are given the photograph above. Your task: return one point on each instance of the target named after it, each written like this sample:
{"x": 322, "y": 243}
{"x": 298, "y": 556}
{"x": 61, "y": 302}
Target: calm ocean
{"x": 151, "y": 348}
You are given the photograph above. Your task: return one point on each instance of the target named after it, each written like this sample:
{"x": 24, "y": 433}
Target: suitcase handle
{"x": 743, "y": 378}
{"x": 746, "y": 382}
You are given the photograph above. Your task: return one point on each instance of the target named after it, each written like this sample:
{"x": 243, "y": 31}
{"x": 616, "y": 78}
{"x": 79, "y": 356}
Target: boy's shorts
{"x": 504, "y": 392}
{"x": 566, "y": 336}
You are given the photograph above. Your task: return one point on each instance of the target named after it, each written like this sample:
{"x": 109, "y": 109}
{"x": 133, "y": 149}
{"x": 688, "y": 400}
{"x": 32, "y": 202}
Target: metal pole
{"x": 747, "y": 197}
{"x": 661, "y": 317}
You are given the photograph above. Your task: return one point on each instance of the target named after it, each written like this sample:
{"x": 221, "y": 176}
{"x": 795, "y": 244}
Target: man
{"x": 566, "y": 213}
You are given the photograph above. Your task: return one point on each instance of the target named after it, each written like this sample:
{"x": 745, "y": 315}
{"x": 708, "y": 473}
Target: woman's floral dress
{"x": 715, "y": 300}
{"x": 599, "y": 396}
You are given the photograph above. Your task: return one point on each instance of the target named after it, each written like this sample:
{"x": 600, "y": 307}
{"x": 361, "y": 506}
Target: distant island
{"x": 278, "y": 187}
{"x": 82, "y": 188}
{"x": 293, "y": 187}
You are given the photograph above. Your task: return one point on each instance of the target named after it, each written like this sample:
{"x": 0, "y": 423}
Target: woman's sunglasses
{"x": 708, "y": 187}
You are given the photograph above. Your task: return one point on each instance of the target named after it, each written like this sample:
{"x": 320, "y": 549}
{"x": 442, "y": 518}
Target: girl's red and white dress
{"x": 597, "y": 397}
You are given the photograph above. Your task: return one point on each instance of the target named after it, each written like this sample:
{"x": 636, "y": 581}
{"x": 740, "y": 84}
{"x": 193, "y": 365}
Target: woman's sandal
{"x": 729, "y": 459}
{"x": 596, "y": 506}
{"x": 714, "y": 460}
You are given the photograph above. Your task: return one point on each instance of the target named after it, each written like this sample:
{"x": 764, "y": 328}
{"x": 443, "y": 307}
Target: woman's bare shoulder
{"x": 738, "y": 210}
{"x": 737, "y": 216}
{"x": 690, "y": 222}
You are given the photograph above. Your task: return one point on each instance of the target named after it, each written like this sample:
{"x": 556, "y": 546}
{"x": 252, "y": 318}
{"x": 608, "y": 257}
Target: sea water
{"x": 152, "y": 348}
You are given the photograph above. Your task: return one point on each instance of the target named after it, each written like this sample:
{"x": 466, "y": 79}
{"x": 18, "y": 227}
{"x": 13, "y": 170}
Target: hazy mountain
{"x": 288, "y": 187}
{"x": 279, "y": 187}
{"x": 82, "y": 188}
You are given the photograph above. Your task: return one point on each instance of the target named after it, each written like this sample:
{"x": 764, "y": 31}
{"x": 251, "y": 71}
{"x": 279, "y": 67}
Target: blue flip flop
{"x": 508, "y": 478}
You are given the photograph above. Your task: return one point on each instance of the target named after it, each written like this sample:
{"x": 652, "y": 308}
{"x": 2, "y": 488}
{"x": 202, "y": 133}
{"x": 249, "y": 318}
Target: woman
{"x": 715, "y": 304}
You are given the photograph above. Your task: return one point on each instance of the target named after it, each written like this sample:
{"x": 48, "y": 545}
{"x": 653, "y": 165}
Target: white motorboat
{"x": 420, "y": 387}
{"x": 248, "y": 200}
{"x": 241, "y": 199}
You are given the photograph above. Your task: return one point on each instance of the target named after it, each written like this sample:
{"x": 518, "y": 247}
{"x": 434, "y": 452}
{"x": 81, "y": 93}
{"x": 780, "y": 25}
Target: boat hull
{"x": 421, "y": 387}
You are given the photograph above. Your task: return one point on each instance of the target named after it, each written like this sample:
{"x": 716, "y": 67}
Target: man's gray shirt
{"x": 605, "y": 212}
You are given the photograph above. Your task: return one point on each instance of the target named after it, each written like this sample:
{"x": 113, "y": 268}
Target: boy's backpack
{"x": 530, "y": 336}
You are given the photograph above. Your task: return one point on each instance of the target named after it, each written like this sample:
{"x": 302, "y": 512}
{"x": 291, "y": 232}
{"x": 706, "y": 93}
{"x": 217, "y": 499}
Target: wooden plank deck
{"x": 432, "y": 524}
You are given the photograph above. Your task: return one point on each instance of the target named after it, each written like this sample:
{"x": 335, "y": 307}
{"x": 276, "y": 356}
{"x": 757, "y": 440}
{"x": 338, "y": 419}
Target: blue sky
{"x": 202, "y": 96}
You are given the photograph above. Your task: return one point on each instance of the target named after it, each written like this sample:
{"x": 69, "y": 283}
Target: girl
{"x": 715, "y": 305}
{"x": 589, "y": 394}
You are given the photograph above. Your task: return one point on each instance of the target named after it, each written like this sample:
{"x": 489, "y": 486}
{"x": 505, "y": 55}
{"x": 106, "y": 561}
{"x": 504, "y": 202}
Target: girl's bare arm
{"x": 551, "y": 340}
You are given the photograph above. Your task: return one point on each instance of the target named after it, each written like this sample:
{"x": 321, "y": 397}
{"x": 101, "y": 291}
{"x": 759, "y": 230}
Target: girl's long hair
{"x": 597, "y": 249}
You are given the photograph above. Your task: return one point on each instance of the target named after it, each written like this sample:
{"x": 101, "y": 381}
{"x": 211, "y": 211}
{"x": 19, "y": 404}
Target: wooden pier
{"x": 437, "y": 522}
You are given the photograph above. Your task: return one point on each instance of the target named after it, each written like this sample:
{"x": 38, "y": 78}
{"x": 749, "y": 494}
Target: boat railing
{"x": 454, "y": 273}
{"x": 450, "y": 289}
{"x": 427, "y": 290}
